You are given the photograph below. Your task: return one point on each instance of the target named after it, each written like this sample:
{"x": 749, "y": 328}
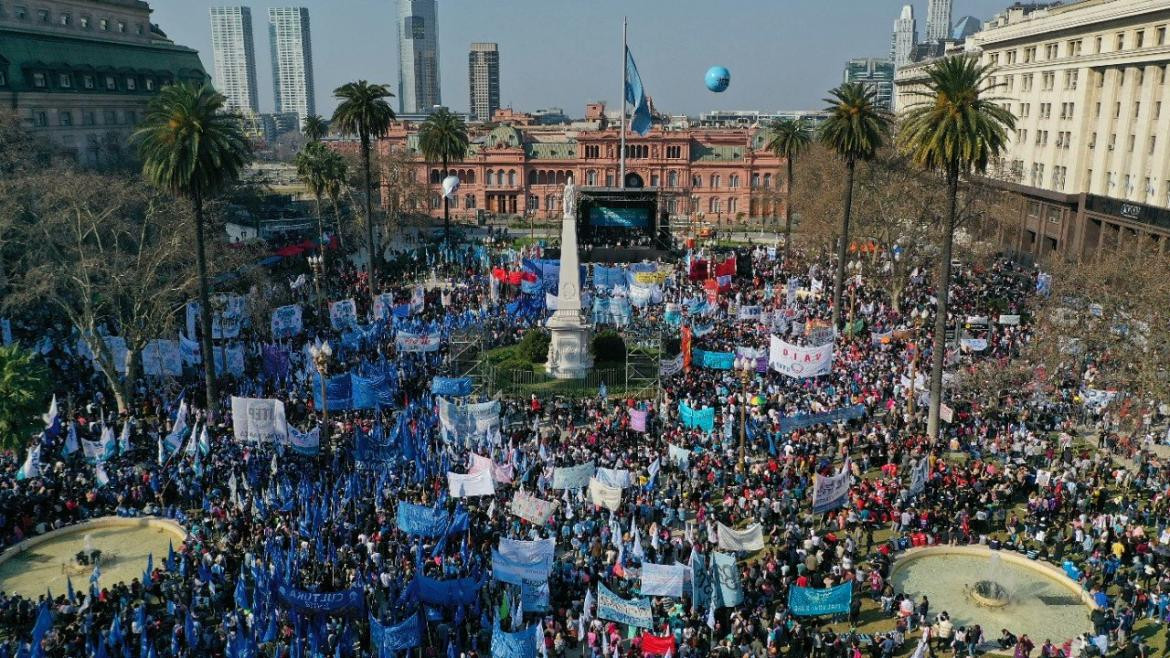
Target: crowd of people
{"x": 272, "y": 531}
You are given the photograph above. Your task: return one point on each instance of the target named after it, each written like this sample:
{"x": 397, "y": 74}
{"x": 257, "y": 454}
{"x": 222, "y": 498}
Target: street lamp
{"x": 746, "y": 368}
{"x": 919, "y": 317}
{"x": 317, "y": 264}
{"x": 322, "y": 354}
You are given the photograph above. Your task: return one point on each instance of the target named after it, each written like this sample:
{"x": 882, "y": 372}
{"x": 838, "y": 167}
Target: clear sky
{"x": 782, "y": 54}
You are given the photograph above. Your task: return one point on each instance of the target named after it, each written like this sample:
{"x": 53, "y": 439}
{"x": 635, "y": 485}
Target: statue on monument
{"x": 570, "y": 199}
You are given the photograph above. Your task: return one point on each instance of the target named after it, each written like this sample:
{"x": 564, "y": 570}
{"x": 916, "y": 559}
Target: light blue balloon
{"x": 718, "y": 78}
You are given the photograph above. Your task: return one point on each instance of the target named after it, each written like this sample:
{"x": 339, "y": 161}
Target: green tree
{"x": 363, "y": 111}
{"x": 790, "y": 139}
{"x": 955, "y": 128}
{"x": 855, "y": 130}
{"x": 314, "y": 128}
{"x": 24, "y": 394}
{"x": 193, "y": 149}
{"x": 443, "y": 138}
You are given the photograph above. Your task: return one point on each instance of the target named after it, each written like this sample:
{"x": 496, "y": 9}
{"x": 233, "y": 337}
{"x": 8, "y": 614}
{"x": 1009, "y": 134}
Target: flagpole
{"x": 625, "y": 68}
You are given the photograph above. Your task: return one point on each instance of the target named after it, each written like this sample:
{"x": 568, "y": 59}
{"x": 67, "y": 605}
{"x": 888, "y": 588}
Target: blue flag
{"x": 636, "y": 96}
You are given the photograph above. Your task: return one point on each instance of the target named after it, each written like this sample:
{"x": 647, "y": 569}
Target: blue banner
{"x": 451, "y": 386}
{"x": 375, "y": 449}
{"x": 534, "y": 596}
{"x": 521, "y": 644}
{"x": 446, "y": 593}
{"x": 337, "y": 389}
{"x": 806, "y": 601}
{"x": 422, "y": 520}
{"x": 608, "y": 277}
{"x": 704, "y": 419}
{"x": 728, "y": 588}
{"x": 347, "y": 602}
{"x": 700, "y": 582}
{"x": 515, "y": 572}
{"x": 713, "y": 360}
{"x": 789, "y": 423}
{"x": 614, "y": 608}
{"x": 387, "y": 639}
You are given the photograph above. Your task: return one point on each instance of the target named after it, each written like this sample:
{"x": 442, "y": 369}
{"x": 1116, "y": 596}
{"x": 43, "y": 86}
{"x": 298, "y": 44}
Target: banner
{"x": 235, "y": 359}
{"x": 529, "y": 551}
{"x": 714, "y": 360}
{"x": 287, "y": 321}
{"x": 514, "y": 572}
{"x": 700, "y": 581}
{"x": 614, "y": 608}
{"x": 671, "y": 367}
{"x": 973, "y": 344}
{"x": 406, "y": 341}
{"x": 945, "y": 413}
{"x": 608, "y": 277}
{"x": 748, "y": 539}
{"x": 728, "y": 588}
{"x": 422, "y": 520}
{"x": 603, "y": 496}
{"x": 680, "y": 457}
{"x": 259, "y": 420}
{"x": 386, "y": 640}
{"x": 749, "y": 313}
{"x": 463, "y": 423}
{"x": 304, "y": 443}
{"x": 619, "y": 478}
{"x": 451, "y": 386}
{"x": 918, "y": 475}
{"x": 573, "y": 477}
{"x": 447, "y": 593}
{"x": 806, "y": 601}
{"x": 347, "y": 602}
{"x": 673, "y": 314}
{"x": 1012, "y": 320}
{"x": 652, "y": 645}
{"x": 470, "y": 485}
{"x": 534, "y": 597}
{"x": 162, "y": 358}
{"x": 638, "y": 420}
{"x": 663, "y": 579}
{"x": 704, "y": 419}
{"x": 500, "y": 473}
{"x": 831, "y": 492}
{"x": 531, "y": 509}
{"x": 796, "y": 361}
{"x": 789, "y": 423}
{"x": 343, "y": 314}
{"x": 521, "y": 644}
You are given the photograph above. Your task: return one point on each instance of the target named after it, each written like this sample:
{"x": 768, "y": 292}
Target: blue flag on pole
{"x": 636, "y": 96}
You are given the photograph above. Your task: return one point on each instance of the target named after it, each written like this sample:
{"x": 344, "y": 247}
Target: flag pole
{"x": 625, "y": 68}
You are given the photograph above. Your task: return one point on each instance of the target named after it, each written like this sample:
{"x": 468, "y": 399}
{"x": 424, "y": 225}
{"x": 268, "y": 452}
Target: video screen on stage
{"x": 618, "y": 217}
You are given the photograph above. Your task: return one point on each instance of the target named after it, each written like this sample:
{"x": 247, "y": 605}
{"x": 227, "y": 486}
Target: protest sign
{"x": 806, "y": 601}
{"x": 573, "y": 477}
{"x": 531, "y": 509}
{"x": 286, "y": 321}
{"x": 663, "y": 579}
{"x": 604, "y": 496}
{"x": 796, "y": 361}
{"x": 460, "y": 485}
{"x": 258, "y": 420}
{"x": 614, "y": 608}
{"x": 750, "y": 538}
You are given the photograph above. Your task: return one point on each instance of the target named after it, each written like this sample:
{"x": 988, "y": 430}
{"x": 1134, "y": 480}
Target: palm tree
{"x": 334, "y": 173}
{"x": 443, "y": 137}
{"x": 192, "y": 148}
{"x": 956, "y": 128}
{"x": 311, "y": 169}
{"x": 855, "y": 130}
{"x": 790, "y": 138}
{"x": 364, "y": 111}
{"x": 314, "y": 127}
{"x": 24, "y": 387}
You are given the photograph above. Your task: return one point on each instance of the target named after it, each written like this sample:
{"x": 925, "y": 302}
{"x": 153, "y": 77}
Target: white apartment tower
{"x": 292, "y": 61}
{"x": 483, "y": 71}
{"x": 938, "y": 19}
{"x": 418, "y": 56}
{"x": 905, "y": 37}
{"x": 235, "y": 57}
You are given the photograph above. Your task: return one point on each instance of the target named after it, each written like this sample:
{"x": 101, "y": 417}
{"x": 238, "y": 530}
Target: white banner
{"x": 573, "y": 477}
{"x": 384, "y": 306}
{"x": 1009, "y": 319}
{"x": 604, "y": 496}
{"x": 343, "y": 314}
{"x": 471, "y": 484}
{"x": 286, "y": 321}
{"x": 529, "y": 551}
{"x": 501, "y": 473}
{"x": 409, "y": 342}
{"x": 306, "y": 443}
{"x": 258, "y": 419}
{"x": 680, "y": 457}
{"x": 749, "y": 313}
{"x": 532, "y": 509}
{"x": 161, "y": 358}
{"x": 671, "y": 367}
{"x": 945, "y": 413}
{"x": 831, "y": 492}
{"x": 748, "y": 539}
{"x": 796, "y": 361}
{"x": 663, "y": 579}
{"x": 614, "y": 477}
{"x": 235, "y": 359}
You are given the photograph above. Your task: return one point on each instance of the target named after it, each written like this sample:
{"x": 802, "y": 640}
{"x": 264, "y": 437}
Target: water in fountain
{"x": 87, "y": 544}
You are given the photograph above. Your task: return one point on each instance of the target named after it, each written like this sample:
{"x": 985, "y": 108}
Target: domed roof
{"x": 504, "y": 137}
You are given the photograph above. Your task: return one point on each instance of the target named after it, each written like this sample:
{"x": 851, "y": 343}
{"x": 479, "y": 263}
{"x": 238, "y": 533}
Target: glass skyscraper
{"x": 292, "y": 61}
{"x": 235, "y": 57}
{"x": 418, "y": 56}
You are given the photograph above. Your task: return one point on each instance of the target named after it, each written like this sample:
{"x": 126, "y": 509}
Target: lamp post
{"x": 919, "y": 318}
{"x": 745, "y": 366}
{"x": 322, "y": 354}
{"x": 317, "y": 264}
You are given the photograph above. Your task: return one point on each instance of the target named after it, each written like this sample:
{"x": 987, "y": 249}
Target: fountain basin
{"x": 1023, "y": 596}
{"x": 47, "y": 561}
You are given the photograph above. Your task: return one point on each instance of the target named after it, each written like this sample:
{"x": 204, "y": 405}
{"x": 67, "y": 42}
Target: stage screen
{"x": 619, "y": 217}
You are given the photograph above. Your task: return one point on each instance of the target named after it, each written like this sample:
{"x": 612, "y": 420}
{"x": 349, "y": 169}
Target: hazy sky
{"x": 783, "y": 54}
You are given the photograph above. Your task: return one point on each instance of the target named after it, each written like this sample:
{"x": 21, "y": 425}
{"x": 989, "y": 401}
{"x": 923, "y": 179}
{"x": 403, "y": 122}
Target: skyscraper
{"x": 418, "y": 55}
{"x": 235, "y": 57}
{"x": 938, "y": 19}
{"x": 875, "y": 74}
{"x": 292, "y": 61}
{"x": 483, "y": 72}
{"x": 905, "y": 37}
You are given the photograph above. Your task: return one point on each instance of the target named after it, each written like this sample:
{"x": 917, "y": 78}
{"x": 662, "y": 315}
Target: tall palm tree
{"x": 855, "y": 130}
{"x": 314, "y": 127}
{"x": 192, "y": 148}
{"x": 790, "y": 138}
{"x": 364, "y": 112}
{"x": 334, "y": 172}
{"x": 957, "y": 128}
{"x": 312, "y": 164}
{"x": 443, "y": 137}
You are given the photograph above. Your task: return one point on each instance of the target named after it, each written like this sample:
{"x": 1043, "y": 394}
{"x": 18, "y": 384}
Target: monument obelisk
{"x": 568, "y": 349}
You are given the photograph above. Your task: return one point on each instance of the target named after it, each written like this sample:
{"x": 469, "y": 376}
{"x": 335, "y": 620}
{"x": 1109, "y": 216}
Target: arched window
{"x": 471, "y": 177}
{"x": 436, "y": 201}
{"x": 550, "y": 203}
{"x": 694, "y": 204}
{"x": 454, "y": 202}
{"x": 532, "y": 177}
{"x": 560, "y": 178}
{"x": 533, "y": 202}
{"x": 731, "y": 205}
{"x": 469, "y": 201}
{"x": 591, "y": 177}
{"x": 715, "y": 181}
{"x": 500, "y": 178}
{"x": 755, "y": 181}
{"x": 511, "y": 178}
{"x": 696, "y": 181}
{"x": 672, "y": 179}
{"x": 435, "y": 177}
{"x": 488, "y": 179}
{"x": 767, "y": 181}
{"x": 733, "y": 181}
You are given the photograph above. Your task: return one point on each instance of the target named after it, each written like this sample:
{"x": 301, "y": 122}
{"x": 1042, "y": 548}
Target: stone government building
{"x": 81, "y": 72}
{"x": 520, "y": 168}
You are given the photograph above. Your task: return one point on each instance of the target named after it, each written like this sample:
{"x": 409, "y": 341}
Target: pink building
{"x": 724, "y": 175}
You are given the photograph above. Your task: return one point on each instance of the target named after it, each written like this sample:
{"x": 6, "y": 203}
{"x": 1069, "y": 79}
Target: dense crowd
{"x": 1017, "y": 469}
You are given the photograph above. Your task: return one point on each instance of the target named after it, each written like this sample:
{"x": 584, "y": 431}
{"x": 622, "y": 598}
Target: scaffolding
{"x": 466, "y": 357}
{"x": 643, "y": 363}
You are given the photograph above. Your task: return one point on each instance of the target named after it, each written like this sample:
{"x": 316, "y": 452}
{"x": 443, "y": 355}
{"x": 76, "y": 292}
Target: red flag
{"x": 654, "y": 645}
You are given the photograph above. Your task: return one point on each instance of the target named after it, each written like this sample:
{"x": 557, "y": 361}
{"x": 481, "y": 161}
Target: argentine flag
{"x": 636, "y": 96}
{"x": 32, "y": 465}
